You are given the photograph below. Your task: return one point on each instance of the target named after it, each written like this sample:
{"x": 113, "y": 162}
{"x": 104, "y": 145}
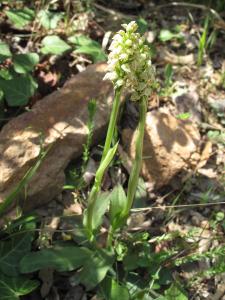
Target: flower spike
{"x": 129, "y": 63}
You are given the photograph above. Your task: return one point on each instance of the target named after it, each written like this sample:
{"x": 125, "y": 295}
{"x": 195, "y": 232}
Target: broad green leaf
{"x": 95, "y": 53}
{"x": 82, "y": 40}
{"x": 166, "y": 35}
{"x": 24, "y": 63}
{"x": 11, "y": 288}
{"x": 20, "y": 17}
{"x": 112, "y": 290}
{"x": 101, "y": 205}
{"x": 5, "y": 74}
{"x": 12, "y": 251}
{"x": 61, "y": 258}
{"x": 118, "y": 202}
{"x": 54, "y": 45}
{"x": 18, "y": 90}
{"x": 87, "y": 46}
{"x": 96, "y": 268}
{"x": 48, "y": 19}
{"x": 175, "y": 292}
{"x": 4, "y": 51}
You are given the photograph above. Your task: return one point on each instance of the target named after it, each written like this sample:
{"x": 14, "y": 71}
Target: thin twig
{"x": 113, "y": 12}
{"x": 177, "y": 206}
{"x": 191, "y": 5}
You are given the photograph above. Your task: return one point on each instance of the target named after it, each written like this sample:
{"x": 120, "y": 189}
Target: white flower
{"x": 129, "y": 62}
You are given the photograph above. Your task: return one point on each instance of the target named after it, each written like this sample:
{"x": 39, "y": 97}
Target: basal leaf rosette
{"x": 129, "y": 62}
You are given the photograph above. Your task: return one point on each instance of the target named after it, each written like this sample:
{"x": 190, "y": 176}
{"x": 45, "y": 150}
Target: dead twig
{"x": 177, "y": 206}
{"x": 114, "y": 12}
{"x": 220, "y": 24}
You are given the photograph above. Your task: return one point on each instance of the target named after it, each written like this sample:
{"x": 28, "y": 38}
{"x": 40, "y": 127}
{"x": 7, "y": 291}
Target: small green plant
{"x": 168, "y": 74}
{"x": 16, "y": 81}
{"x": 206, "y": 42}
{"x": 75, "y": 175}
{"x": 166, "y": 35}
{"x": 129, "y": 66}
{"x": 85, "y": 45}
{"x": 202, "y": 43}
{"x": 92, "y": 107}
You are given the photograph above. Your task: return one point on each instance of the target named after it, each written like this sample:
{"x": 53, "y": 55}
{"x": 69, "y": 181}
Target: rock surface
{"x": 61, "y": 119}
{"x": 170, "y": 145}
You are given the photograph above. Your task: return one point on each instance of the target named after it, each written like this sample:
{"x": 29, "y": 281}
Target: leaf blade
{"x": 61, "y": 258}
{"x": 52, "y": 44}
{"x": 24, "y": 63}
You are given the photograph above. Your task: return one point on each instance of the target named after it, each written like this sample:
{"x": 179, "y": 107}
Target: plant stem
{"x": 105, "y": 161}
{"x": 110, "y": 237}
{"x": 134, "y": 176}
{"x": 112, "y": 123}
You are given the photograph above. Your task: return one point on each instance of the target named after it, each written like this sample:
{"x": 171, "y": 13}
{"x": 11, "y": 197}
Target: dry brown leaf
{"x": 172, "y": 58}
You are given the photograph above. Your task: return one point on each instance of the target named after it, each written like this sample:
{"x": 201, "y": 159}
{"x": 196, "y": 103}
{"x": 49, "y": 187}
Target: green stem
{"x": 112, "y": 123}
{"x": 107, "y": 156}
{"x": 134, "y": 175}
{"x": 109, "y": 237}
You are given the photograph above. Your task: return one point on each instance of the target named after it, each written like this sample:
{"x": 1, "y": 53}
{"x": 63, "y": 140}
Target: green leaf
{"x": 118, "y": 202}
{"x": 87, "y": 46}
{"x": 168, "y": 74}
{"x": 48, "y": 19}
{"x": 4, "y": 51}
{"x": 5, "y": 74}
{"x": 142, "y": 25}
{"x": 96, "y": 268}
{"x": 82, "y": 40}
{"x": 54, "y": 45}
{"x": 12, "y": 251}
{"x": 175, "y": 292}
{"x": 18, "y": 90}
{"x": 216, "y": 136}
{"x": 166, "y": 35}
{"x": 61, "y": 258}
{"x": 20, "y": 17}
{"x": 112, "y": 290}
{"x": 11, "y": 288}
{"x": 101, "y": 205}
{"x": 184, "y": 116}
{"x": 24, "y": 63}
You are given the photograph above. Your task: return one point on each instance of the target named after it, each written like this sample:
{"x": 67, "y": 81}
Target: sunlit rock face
{"x": 58, "y": 120}
{"x": 170, "y": 146}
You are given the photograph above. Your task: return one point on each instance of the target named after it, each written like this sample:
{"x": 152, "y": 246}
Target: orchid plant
{"x": 129, "y": 67}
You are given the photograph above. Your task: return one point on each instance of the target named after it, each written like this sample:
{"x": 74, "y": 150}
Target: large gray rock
{"x": 170, "y": 145}
{"x": 61, "y": 119}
